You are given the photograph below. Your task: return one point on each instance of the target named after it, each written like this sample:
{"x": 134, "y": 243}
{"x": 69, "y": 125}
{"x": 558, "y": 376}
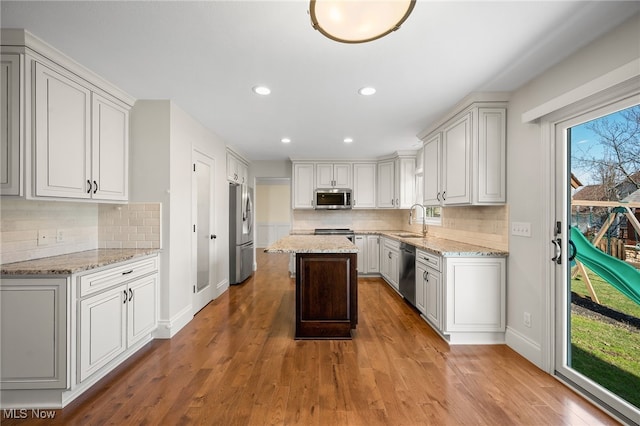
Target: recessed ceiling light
{"x": 261, "y": 90}
{"x": 367, "y": 91}
{"x": 285, "y": 140}
{"x": 348, "y": 140}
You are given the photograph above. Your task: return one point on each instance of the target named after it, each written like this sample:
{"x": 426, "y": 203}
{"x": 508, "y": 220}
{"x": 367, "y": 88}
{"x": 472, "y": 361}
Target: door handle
{"x": 214, "y": 236}
{"x": 574, "y": 251}
{"x": 558, "y": 254}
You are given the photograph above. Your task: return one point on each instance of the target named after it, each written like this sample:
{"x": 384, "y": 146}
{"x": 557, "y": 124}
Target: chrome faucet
{"x": 424, "y": 216}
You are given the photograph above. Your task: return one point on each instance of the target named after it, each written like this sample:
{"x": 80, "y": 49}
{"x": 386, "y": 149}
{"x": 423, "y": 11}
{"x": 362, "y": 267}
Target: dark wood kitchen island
{"x": 326, "y": 285}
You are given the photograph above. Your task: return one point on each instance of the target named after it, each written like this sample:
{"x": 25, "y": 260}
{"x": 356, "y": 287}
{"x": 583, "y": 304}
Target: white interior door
{"x": 204, "y": 236}
{"x": 573, "y": 359}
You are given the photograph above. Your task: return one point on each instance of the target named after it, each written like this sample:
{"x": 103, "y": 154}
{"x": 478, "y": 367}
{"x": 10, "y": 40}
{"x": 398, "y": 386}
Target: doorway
{"x": 596, "y": 337}
{"x": 204, "y": 236}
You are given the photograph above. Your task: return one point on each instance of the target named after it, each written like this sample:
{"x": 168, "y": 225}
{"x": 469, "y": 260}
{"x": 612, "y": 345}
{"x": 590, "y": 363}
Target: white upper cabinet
{"x": 81, "y": 140}
{"x": 303, "y": 185}
{"x": 10, "y": 137}
{"x": 465, "y": 156}
{"x": 237, "y": 169}
{"x": 432, "y": 178}
{"x": 405, "y": 182}
{"x": 364, "y": 185}
{"x": 62, "y": 136}
{"x": 110, "y": 150}
{"x": 456, "y": 159}
{"x": 386, "y": 184}
{"x": 76, "y": 126}
{"x": 330, "y": 175}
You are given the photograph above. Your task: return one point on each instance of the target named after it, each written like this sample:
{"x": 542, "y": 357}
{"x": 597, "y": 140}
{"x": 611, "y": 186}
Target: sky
{"x": 583, "y": 140}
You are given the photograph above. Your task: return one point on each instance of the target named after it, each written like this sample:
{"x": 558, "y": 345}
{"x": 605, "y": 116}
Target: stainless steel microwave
{"x": 332, "y": 199}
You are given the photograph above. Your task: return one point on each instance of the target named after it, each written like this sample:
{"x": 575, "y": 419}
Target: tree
{"x": 618, "y": 152}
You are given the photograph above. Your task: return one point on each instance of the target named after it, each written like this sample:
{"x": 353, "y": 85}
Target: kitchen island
{"x": 326, "y": 285}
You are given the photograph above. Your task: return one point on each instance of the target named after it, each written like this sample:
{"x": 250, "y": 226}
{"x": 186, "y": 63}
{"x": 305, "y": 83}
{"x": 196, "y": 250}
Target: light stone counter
{"x": 439, "y": 246}
{"x": 72, "y": 263}
{"x": 312, "y": 244}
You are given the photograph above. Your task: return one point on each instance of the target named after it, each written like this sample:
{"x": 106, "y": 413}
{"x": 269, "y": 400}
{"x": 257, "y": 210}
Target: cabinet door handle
{"x": 392, "y": 202}
{"x": 443, "y": 197}
{"x": 130, "y": 295}
{"x": 128, "y": 272}
{"x": 125, "y": 296}
{"x": 438, "y": 196}
{"x": 96, "y": 187}
{"x": 389, "y": 255}
{"x": 425, "y": 276}
{"x": 89, "y": 190}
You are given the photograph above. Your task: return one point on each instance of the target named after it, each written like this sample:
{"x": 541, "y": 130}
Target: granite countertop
{"x": 312, "y": 244}
{"x": 67, "y": 264}
{"x": 439, "y": 246}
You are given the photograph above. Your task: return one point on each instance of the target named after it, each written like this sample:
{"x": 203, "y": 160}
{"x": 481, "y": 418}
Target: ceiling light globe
{"x": 349, "y": 21}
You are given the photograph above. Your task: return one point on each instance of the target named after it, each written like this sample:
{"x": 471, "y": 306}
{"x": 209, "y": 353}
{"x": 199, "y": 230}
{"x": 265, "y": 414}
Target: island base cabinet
{"x": 33, "y": 333}
{"x": 326, "y": 295}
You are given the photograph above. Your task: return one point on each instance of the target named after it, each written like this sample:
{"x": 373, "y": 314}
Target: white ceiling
{"x": 207, "y": 55}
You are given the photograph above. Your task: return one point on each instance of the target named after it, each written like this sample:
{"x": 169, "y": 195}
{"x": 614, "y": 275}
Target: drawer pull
{"x": 128, "y": 272}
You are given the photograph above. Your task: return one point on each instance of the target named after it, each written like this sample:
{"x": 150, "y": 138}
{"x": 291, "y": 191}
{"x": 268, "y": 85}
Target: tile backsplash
{"x": 485, "y": 226}
{"x": 129, "y": 226}
{"x": 35, "y": 229}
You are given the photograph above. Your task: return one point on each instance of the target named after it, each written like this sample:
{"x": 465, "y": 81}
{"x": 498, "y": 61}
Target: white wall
{"x": 162, "y": 139}
{"x": 528, "y": 194}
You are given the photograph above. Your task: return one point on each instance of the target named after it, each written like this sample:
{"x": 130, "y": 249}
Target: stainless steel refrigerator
{"x": 240, "y": 233}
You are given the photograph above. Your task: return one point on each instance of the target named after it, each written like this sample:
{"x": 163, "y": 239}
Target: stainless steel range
{"x": 336, "y": 231}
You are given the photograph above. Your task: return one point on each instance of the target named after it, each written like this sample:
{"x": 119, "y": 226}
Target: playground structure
{"x": 618, "y": 273}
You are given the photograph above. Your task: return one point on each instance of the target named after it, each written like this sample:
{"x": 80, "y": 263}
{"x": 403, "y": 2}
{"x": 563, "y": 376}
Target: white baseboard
{"x": 524, "y": 346}
{"x": 168, "y": 328}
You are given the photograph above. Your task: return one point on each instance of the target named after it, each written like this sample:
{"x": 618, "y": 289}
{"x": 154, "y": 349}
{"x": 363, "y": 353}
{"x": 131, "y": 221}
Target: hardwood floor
{"x": 236, "y": 363}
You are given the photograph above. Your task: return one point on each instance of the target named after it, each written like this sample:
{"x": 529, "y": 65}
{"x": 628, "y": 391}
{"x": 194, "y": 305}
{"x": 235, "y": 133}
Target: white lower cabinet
{"x": 73, "y": 329}
{"x": 33, "y": 333}
{"x": 462, "y": 298}
{"x": 389, "y": 262}
{"x": 113, "y": 320}
{"x": 369, "y": 254}
{"x": 373, "y": 254}
{"x": 429, "y": 287}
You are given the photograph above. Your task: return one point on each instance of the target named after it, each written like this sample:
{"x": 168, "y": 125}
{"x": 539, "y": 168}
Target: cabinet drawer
{"x": 430, "y": 259}
{"x": 98, "y": 281}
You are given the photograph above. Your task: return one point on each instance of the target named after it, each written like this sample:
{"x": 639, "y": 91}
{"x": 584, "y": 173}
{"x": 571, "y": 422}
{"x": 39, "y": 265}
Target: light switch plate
{"x": 521, "y": 229}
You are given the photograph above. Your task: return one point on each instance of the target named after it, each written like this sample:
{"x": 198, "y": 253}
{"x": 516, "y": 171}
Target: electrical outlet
{"x": 46, "y": 237}
{"x": 59, "y": 236}
{"x": 521, "y": 229}
{"x": 527, "y": 319}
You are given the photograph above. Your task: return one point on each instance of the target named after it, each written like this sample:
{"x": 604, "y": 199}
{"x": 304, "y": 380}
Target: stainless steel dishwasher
{"x": 408, "y": 272}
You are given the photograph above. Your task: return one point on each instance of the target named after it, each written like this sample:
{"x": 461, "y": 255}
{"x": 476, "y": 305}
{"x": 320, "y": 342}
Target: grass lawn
{"x": 607, "y": 353}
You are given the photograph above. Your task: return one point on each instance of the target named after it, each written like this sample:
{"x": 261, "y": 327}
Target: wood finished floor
{"x": 236, "y": 363}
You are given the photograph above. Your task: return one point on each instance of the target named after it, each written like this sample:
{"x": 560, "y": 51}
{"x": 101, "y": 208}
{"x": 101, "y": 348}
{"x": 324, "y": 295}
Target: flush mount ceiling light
{"x": 285, "y": 140}
{"x": 261, "y": 90}
{"x": 348, "y": 140}
{"x": 358, "y": 21}
{"x": 367, "y": 91}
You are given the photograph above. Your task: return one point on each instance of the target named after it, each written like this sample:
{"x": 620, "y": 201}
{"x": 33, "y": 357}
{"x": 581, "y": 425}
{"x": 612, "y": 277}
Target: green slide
{"x": 619, "y": 274}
